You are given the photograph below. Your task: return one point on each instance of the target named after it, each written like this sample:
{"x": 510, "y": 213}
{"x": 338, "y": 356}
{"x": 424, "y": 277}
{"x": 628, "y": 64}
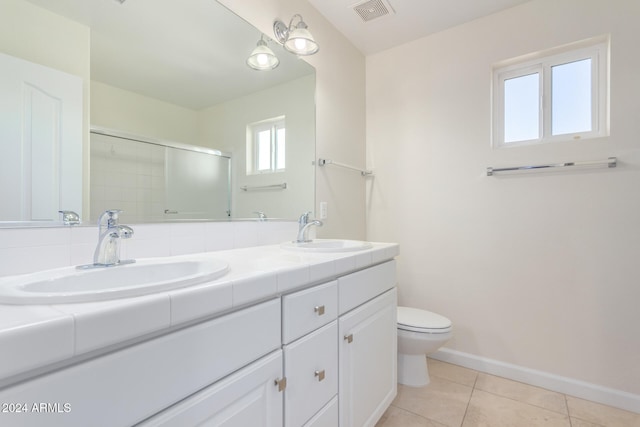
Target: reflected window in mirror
{"x": 266, "y": 146}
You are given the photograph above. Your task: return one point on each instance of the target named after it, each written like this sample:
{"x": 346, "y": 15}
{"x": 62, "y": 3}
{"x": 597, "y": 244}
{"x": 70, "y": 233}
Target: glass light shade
{"x": 262, "y": 58}
{"x": 300, "y": 41}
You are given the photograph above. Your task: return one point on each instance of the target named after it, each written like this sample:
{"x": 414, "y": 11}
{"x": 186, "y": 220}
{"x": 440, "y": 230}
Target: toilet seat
{"x": 417, "y": 320}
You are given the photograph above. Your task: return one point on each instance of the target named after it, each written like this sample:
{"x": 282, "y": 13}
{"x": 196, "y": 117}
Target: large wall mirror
{"x": 171, "y": 104}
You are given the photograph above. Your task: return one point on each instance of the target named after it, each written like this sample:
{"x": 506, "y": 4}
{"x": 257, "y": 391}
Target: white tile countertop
{"x": 35, "y": 338}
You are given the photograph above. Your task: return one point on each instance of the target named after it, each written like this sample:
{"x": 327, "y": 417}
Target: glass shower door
{"x": 197, "y": 185}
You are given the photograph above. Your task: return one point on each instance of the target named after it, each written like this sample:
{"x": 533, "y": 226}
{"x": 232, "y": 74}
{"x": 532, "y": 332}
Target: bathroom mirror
{"x": 176, "y": 72}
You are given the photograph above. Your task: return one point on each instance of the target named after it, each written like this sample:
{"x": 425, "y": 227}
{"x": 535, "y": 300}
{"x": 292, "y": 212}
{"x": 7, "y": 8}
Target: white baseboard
{"x": 581, "y": 389}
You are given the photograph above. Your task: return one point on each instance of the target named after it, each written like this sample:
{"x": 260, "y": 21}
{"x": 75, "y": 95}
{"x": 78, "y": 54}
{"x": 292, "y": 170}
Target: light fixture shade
{"x": 262, "y": 58}
{"x": 300, "y": 41}
{"x": 296, "y": 40}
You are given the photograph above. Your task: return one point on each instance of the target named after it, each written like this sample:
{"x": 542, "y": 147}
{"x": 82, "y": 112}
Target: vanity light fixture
{"x": 296, "y": 39}
{"x": 262, "y": 58}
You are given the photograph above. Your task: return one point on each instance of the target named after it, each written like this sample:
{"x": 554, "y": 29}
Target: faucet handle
{"x": 111, "y": 217}
{"x": 70, "y": 217}
{"x": 125, "y": 231}
{"x": 304, "y": 218}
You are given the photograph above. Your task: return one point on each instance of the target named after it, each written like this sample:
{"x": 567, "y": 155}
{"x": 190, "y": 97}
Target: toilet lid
{"x": 414, "y": 318}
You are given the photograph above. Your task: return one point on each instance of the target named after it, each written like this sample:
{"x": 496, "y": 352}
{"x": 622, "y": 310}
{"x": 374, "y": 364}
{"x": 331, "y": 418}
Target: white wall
{"x": 224, "y": 127}
{"x": 130, "y": 112}
{"x": 539, "y": 271}
{"x": 340, "y": 110}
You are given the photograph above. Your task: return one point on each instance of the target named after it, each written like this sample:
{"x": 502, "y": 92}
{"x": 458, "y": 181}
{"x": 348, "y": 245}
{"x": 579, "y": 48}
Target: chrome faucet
{"x": 70, "y": 217}
{"x": 261, "y": 215}
{"x": 109, "y": 234}
{"x": 303, "y": 227}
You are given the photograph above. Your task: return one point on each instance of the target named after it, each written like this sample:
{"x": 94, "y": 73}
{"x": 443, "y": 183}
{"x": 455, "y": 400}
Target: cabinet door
{"x": 368, "y": 361}
{"x": 249, "y": 397}
{"x": 311, "y": 368}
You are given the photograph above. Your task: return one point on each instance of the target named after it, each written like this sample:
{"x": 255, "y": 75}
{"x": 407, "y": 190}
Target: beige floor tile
{"x": 451, "y": 372}
{"x": 487, "y": 409}
{"x": 384, "y": 417}
{"x": 601, "y": 414}
{"x": 442, "y": 401}
{"x": 575, "y": 422}
{"x": 396, "y": 417}
{"x": 462, "y": 397}
{"x": 522, "y": 392}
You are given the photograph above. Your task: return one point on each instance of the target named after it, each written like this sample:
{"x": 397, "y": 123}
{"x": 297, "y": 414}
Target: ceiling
{"x": 192, "y": 52}
{"x": 406, "y": 20}
{"x": 187, "y": 52}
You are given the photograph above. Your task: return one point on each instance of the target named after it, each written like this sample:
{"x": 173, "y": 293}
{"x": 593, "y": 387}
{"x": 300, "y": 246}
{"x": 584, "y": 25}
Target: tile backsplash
{"x": 26, "y": 250}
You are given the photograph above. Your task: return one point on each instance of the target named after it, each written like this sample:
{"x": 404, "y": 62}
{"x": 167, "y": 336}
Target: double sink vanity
{"x": 282, "y": 335}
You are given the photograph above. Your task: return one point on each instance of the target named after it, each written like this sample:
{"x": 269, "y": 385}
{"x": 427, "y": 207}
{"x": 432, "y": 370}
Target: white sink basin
{"x": 327, "y": 245}
{"x": 69, "y": 284}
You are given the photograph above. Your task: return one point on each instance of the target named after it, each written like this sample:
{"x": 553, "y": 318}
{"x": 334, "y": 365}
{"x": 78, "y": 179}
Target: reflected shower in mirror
{"x": 157, "y": 181}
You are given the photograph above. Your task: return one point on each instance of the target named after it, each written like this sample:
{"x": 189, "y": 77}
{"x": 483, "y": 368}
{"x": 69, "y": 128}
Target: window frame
{"x": 253, "y": 156}
{"x": 542, "y": 63}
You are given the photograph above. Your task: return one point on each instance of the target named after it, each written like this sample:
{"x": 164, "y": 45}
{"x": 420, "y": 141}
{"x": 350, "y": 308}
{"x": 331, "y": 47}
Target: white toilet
{"x": 420, "y": 332}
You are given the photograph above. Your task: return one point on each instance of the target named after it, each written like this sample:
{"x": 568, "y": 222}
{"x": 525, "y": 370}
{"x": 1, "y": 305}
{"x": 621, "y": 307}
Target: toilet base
{"x": 412, "y": 370}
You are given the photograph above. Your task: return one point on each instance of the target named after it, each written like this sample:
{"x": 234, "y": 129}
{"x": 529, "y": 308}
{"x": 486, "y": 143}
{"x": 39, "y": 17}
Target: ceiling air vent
{"x": 372, "y": 9}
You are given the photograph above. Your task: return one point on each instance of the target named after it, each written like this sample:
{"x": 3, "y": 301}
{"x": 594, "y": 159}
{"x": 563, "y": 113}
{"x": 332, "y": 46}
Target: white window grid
{"x": 542, "y": 64}
{"x": 272, "y": 126}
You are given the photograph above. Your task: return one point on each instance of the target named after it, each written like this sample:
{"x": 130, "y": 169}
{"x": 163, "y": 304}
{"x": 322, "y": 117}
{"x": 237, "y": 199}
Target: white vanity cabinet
{"x": 368, "y": 345}
{"x": 327, "y": 416}
{"x": 322, "y": 356}
{"x": 311, "y": 368}
{"x": 127, "y": 386}
{"x": 349, "y": 350}
{"x": 249, "y": 397}
{"x": 309, "y": 335}
{"x": 368, "y": 361}
{"x": 307, "y": 310}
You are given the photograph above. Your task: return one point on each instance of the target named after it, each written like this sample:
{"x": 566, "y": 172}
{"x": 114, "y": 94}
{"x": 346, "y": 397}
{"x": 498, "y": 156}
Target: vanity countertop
{"x": 35, "y": 338}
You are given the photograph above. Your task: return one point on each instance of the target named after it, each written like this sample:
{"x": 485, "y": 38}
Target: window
{"x": 266, "y": 151}
{"x": 558, "y": 96}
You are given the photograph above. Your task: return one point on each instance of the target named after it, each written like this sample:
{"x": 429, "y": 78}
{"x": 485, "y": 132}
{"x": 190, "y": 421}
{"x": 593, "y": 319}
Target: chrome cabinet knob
{"x": 281, "y": 383}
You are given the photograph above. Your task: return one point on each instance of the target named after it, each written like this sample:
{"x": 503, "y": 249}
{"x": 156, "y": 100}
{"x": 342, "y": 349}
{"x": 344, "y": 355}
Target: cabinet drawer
{"x": 359, "y": 287}
{"x": 327, "y": 417}
{"x": 307, "y": 310}
{"x": 311, "y": 368}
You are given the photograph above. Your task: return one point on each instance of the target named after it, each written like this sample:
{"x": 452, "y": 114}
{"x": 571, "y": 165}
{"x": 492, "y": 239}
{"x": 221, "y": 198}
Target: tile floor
{"x": 463, "y": 397}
